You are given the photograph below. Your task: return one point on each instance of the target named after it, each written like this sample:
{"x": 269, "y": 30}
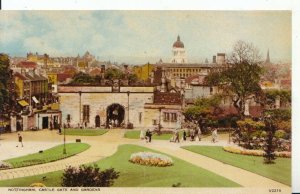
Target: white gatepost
{"x": 13, "y": 123}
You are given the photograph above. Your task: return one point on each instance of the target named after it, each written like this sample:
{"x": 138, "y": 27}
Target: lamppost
{"x": 128, "y": 124}
{"x": 38, "y": 127}
{"x": 64, "y": 150}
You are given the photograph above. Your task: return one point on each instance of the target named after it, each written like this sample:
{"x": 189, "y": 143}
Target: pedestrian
{"x": 176, "y": 136}
{"x": 142, "y": 135}
{"x": 184, "y": 135}
{"x": 147, "y": 136}
{"x": 192, "y": 135}
{"x": 199, "y": 133}
{"x": 20, "y": 138}
{"x": 214, "y": 135}
{"x": 59, "y": 129}
{"x": 188, "y": 133}
{"x": 150, "y": 136}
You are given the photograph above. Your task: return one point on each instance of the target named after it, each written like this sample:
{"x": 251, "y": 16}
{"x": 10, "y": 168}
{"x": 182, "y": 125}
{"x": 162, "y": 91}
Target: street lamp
{"x": 64, "y": 150}
{"x": 38, "y": 122}
{"x": 128, "y": 125}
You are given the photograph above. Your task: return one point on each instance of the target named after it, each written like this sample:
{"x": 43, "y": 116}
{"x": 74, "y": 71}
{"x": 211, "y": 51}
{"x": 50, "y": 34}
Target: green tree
{"x": 4, "y": 82}
{"x": 240, "y": 77}
{"x": 114, "y": 74}
{"x": 204, "y": 109}
{"x": 284, "y": 95}
{"x": 82, "y": 78}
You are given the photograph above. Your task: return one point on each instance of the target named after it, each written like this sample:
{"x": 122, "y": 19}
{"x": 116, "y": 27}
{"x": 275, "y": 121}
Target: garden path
{"x": 107, "y": 144}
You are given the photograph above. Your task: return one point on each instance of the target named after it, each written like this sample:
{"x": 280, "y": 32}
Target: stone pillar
{"x": 25, "y": 122}
{"x": 247, "y": 103}
{"x": 13, "y": 123}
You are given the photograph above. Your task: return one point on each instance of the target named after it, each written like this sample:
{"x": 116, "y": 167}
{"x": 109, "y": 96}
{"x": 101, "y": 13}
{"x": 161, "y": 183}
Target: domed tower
{"x": 178, "y": 52}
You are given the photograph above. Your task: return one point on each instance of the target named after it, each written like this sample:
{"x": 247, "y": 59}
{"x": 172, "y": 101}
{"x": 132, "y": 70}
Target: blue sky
{"x": 142, "y": 36}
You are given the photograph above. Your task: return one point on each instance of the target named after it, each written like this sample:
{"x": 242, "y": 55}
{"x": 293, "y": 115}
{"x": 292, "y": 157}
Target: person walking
{"x": 184, "y": 135}
{"x": 188, "y": 133}
{"x": 150, "y": 136}
{"x": 20, "y": 138}
{"x": 147, "y": 136}
{"x": 176, "y": 136}
{"x": 142, "y": 135}
{"x": 192, "y": 135}
{"x": 59, "y": 129}
{"x": 199, "y": 133}
{"x": 214, "y": 135}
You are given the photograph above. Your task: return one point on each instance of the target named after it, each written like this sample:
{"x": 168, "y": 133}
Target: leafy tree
{"x": 82, "y": 78}
{"x": 204, "y": 109}
{"x": 269, "y": 142}
{"x": 114, "y": 74}
{"x": 245, "y": 130}
{"x": 281, "y": 118}
{"x": 4, "y": 83}
{"x": 271, "y": 95}
{"x": 88, "y": 176}
{"x": 240, "y": 78}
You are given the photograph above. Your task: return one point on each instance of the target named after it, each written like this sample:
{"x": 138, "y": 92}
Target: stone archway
{"x": 115, "y": 114}
{"x": 97, "y": 121}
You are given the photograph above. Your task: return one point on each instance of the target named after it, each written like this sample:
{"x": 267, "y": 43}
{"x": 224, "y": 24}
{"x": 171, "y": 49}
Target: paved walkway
{"x": 101, "y": 147}
{"x": 107, "y": 144}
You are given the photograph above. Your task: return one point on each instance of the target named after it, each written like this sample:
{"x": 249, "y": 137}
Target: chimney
{"x": 214, "y": 59}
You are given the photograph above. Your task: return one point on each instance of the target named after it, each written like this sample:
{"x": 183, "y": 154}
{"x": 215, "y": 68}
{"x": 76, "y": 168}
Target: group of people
{"x": 192, "y": 134}
{"x": 147, "y": 136}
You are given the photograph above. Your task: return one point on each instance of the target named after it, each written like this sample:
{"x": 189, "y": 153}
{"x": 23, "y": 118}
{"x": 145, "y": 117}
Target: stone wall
{"x": 72, "y": 103}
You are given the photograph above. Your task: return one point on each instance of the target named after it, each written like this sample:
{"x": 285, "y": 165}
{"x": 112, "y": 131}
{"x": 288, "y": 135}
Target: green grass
{"x": 280, "y": 171}
{"x": 135, "y": 134}
{"x": 49, "y": 155}
{"x": 134, "y": 175}
{"x": 85, "y": 132}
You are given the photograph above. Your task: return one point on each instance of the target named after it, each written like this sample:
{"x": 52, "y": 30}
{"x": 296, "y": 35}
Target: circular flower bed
{"x": 151, "y": 159}
{"x": 37, "y": 185}
{"x": 4, "y": 165}
{"x": 238, "y": 150}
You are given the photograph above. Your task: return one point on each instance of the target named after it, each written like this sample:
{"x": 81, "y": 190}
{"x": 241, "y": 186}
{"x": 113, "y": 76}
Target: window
{"x": 86, "y": 113}
{"x": 173, "y": 117}
{"x": 68, "y": 118}
{"x": 154, "y": 122}
{"x": 211, "y": 90}
{"x": 140, "y": 117}
{"x": 166, "y": 116}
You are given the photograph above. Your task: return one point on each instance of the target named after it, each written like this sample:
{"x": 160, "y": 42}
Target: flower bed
{"x": 151, "y": 159}
{"x": 37, "y": 185}
{"x": 238, "y": 150}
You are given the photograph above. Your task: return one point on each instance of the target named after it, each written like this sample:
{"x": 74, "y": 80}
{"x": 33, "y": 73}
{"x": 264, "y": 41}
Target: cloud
{"x": 142, "y": 34}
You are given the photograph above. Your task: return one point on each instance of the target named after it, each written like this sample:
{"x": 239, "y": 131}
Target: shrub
{"x": 88, "y": 176}
{"x": 280, "y": 134}
{"x": 37, "y": 185}
{"x": 5, "y": 165}
{"x": 151, "y": 159}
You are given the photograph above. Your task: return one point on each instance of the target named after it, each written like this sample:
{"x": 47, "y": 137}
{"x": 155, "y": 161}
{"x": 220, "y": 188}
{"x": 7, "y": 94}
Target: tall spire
{"x": 178, "y": 38}
{"x": 268, "y": 57}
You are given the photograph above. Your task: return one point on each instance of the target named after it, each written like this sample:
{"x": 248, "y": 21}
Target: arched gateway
{"x": 115, "y": 114}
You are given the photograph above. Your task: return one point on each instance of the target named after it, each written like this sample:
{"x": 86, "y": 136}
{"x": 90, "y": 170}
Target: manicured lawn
{"x": 134, "y": 175}
{"x": 85, "y": 132}
{"x": 280, "y": 171}
{"x": 49, "y": 155}
{"x": 135, "y": 134}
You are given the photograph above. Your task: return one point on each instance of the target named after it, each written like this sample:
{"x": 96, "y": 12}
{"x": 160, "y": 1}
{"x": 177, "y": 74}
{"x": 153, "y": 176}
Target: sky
{"x": 138, "y": 37}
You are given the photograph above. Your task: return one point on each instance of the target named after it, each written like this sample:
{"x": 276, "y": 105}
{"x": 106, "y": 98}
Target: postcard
{"x": 131, "y": 101}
